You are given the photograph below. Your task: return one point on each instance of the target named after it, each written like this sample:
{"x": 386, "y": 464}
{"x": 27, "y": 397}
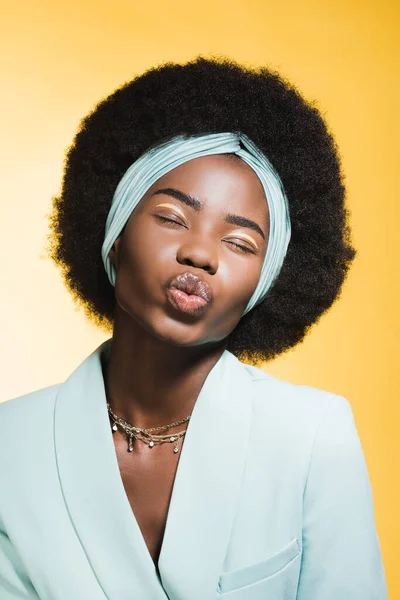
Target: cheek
{"x": 239, "y": 281}
{"x": 235, "y": 288}
{"x": 147, "y": 259}
{"x": 137, "y": 262}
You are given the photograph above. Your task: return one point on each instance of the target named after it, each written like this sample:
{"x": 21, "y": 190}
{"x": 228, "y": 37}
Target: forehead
{"x": 217, "y": 180}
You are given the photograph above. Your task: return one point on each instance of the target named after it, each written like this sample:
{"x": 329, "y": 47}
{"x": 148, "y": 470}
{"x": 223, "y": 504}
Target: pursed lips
{"x": 191, "y": 284}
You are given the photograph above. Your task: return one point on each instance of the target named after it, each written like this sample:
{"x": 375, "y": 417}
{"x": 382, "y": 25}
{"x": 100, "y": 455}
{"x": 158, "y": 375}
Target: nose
{"x": 198, "y": 253}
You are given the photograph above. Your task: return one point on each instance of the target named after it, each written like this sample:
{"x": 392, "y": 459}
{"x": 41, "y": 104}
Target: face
{"x": 165, "y": 237}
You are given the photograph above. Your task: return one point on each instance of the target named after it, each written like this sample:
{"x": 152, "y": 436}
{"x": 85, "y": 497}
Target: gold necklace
{"x": 141, "y": 433}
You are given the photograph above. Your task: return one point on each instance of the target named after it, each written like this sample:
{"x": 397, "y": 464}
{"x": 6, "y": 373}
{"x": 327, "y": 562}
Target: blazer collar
{"x": 204, "y": 496}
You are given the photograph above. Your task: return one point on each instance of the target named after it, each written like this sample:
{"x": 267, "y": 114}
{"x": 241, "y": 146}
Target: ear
{"x": 114, "y": 252}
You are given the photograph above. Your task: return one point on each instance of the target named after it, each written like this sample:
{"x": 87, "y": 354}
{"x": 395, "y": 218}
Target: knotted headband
{"x": 168, "y": 155}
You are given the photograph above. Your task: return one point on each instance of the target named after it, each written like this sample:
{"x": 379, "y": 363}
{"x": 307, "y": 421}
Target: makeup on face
{"x": 175, "y": 207}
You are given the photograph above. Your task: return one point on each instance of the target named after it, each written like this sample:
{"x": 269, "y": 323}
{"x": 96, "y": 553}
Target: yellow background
{"x": 59, "y": 59}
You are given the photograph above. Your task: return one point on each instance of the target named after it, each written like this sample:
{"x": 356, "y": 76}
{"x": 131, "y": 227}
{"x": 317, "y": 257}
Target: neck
{"x": 150, "y": 382}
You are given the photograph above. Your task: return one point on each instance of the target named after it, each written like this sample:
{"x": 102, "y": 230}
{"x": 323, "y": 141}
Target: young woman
{"x": 202, "y": 224}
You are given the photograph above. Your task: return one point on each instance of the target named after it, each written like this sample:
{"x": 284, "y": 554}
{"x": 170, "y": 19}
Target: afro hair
{"x": 210, "y": 95}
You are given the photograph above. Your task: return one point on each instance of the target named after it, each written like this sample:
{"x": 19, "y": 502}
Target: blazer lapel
{"x": 207, "y": 484}
{"x": 203, "y": 499}
{"x": 93, "y": 489}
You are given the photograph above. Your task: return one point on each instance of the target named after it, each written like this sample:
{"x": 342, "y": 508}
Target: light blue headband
{"x": 157, "y": 161}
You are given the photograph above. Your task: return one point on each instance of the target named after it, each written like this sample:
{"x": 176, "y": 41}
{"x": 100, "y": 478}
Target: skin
{"x": 160, "y": 357}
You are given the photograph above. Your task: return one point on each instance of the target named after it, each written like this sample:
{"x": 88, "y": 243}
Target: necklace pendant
{"x": 176, "y": 449}
{"x": 114, "y": 427}
{"x": 151, "y": 444}
{"x": 130, "y": 445}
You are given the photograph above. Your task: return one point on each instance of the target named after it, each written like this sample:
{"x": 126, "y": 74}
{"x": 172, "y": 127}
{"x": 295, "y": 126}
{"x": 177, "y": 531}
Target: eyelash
{"x": 241, "y": 248}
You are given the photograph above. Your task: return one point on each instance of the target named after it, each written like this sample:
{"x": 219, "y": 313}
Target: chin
{"x": 179, "y": 332}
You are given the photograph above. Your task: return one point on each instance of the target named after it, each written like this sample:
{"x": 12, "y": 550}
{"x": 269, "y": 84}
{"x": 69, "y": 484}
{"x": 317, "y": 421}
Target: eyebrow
{"x": 198, "y": 205}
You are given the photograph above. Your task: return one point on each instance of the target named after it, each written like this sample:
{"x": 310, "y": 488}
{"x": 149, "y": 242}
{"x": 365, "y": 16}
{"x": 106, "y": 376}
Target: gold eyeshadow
{"x": 170, "y": 205}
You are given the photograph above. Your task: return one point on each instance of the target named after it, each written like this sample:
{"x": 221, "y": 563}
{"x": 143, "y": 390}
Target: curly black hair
{"x": 210, "y": 95}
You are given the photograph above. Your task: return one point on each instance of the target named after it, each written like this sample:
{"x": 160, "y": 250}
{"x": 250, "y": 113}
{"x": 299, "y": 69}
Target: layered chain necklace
{"x": 143, "y": 434}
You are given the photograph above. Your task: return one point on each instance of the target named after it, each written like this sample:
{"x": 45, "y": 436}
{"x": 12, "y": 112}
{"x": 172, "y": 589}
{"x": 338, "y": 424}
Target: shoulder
{"x": 28, "y": 409}
{"x": 30, "y": 400}
{"x": 296, "y": 407}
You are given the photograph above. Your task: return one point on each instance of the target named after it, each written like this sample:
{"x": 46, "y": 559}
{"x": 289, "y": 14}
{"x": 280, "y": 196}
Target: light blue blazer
{"x": 271, "y": 500}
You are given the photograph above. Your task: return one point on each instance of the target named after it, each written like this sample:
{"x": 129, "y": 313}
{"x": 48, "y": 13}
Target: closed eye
{"x": 243, "y": 248}
{"x": 174, "y": 223}
{"x": 168, "y": 220}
